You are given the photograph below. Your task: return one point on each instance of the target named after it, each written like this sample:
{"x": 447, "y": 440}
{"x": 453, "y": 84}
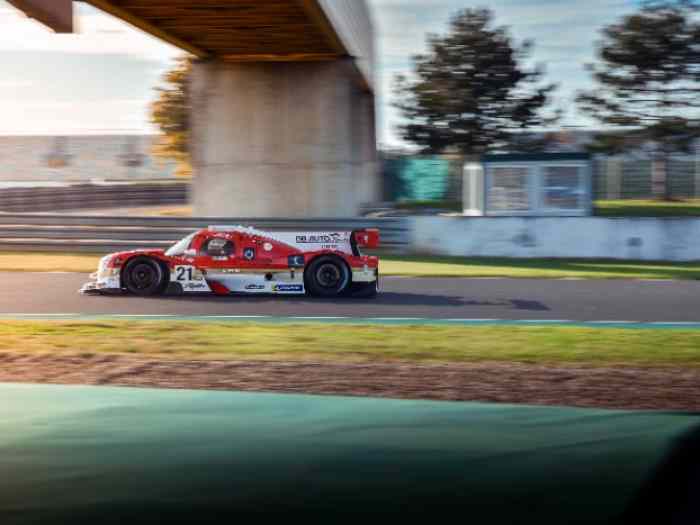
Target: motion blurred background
{"x": 84, "y": 116}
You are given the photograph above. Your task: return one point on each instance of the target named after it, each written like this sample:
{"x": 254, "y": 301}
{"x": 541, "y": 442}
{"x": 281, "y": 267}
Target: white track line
{"x": 674, "y": 323}
{"x": 545, "y": 321}
{"x": 401, "y": 319}
{"x": 614, "y": 322}
{"x": 466, "y": 322}
{"x": 321, "y": 318}
{"x": 473, "y": 320}
{"x": 230, "y": 316}
{"x": 143, "y": 316}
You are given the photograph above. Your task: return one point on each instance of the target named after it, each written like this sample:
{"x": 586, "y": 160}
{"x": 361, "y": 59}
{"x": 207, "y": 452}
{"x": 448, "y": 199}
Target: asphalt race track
{"x": 506, "y": 299}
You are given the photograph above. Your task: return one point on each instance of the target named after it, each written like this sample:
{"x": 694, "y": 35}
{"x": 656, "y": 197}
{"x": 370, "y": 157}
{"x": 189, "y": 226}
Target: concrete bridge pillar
{"x": 281, "y": 139}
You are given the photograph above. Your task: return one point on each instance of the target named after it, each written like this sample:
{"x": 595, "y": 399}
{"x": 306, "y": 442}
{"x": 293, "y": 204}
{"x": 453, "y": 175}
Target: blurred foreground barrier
{"x": 35, "y": 232}
{"x": 169, "y": 456}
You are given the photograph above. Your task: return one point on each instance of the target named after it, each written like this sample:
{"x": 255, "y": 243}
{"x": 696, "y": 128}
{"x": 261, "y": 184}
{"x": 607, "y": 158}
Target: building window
{"x": 562, "y": 187}
{"x": 508, "y": 189}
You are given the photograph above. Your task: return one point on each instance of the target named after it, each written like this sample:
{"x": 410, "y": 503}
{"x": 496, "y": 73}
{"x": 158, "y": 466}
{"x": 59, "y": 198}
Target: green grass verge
{"x": 47, "y": 262}
{"x": 414, "y": 266}
{"x": 647, "y": 208}
{"x": 537, "y": 345}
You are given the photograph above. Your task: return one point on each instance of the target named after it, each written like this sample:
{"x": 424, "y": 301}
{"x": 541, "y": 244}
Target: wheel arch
{"x": 163, "y": 265}
{"x": 329, "y": 255}
{"x": 335, "y": 257}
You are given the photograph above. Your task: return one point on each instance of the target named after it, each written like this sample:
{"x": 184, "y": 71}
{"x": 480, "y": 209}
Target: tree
{"x": 470, "y": 92}
{"x": 648, "y": 84}
{"x": 171, "y": 113}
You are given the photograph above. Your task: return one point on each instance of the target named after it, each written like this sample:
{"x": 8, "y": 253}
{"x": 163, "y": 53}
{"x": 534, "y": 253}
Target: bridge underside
{"x": 235, "y": 30}
{"x": 283, "y": 115}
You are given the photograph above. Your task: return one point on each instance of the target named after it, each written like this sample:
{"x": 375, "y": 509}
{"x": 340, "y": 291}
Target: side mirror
{"x": 190, "y": 253}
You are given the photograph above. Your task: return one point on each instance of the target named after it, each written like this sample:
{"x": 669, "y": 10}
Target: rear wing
{"x": 367, "y": 238}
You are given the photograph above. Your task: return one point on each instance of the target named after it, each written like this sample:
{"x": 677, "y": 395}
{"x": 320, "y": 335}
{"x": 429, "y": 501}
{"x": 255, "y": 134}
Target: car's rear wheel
{"x": 327, "y": 277}
{"x": 143, "y": 276}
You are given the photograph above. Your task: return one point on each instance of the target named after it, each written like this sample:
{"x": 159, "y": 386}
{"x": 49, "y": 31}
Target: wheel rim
{"x": 329, "y": 276}
{"x": 143, "y": 276}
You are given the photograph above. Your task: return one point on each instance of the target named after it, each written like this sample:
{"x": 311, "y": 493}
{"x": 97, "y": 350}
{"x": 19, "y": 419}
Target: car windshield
{"x": 179, "y": 247}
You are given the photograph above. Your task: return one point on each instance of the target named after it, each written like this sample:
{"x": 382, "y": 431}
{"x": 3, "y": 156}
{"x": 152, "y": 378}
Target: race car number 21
{"x": 184, "y": 273}
{"x": 190, "y": 279}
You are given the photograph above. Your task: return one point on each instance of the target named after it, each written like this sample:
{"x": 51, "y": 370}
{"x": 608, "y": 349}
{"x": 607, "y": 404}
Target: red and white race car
{"x": 236, "y": 259}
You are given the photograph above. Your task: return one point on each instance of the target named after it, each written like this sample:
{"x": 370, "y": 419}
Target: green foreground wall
{"x": 108, "y": 455}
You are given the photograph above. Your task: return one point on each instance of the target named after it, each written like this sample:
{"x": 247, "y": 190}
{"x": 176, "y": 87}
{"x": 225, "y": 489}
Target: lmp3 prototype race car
{"x": 235, "y": 259}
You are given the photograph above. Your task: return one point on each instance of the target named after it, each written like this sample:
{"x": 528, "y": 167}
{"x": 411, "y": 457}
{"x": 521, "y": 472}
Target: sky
{"x": 102, "y": 79}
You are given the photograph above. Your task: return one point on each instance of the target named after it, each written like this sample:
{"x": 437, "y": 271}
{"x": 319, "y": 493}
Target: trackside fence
{"x": 92, "y": 196}
{"x": 101, "y": 234}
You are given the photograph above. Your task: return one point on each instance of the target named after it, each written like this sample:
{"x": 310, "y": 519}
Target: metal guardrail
{"x": 95, "y": 196}
{"x": 101, "y": 234}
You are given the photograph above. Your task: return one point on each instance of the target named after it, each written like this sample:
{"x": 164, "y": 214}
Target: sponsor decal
{"x": 296, "y": 261}
{"x": 184, "y": 273}
{"x": 190, "y": 278}
{"x": 249, "y": 254}
{"x": 267, "y": 247}
{"x": 288, "y": 288}
{"x": 255, "y": 287}
{"x": 326, "y": 238}
{"x": 194, "y": 286}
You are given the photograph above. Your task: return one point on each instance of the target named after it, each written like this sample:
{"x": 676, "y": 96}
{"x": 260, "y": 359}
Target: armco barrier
{"x": 576, "y": 237}
{"x": 74, "y": 233}
{"x": 92, "y": 196}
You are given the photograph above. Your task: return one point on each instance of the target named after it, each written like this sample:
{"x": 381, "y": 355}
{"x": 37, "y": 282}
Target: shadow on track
{"x": 383, "y": 299}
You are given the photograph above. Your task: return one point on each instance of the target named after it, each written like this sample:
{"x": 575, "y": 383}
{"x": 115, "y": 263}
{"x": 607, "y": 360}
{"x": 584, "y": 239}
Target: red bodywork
{"x": 254, "y": 253}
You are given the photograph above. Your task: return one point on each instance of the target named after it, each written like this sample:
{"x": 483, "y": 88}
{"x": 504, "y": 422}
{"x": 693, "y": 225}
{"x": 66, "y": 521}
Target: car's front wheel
{"x": 327, "y": 277}
{"x": 143, "y": 276}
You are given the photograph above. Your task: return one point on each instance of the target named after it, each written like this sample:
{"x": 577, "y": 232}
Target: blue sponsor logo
{"x": 288, "y": 288}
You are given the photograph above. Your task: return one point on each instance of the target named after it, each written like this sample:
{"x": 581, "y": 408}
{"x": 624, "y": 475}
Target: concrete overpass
{"x": 283, "y": 119}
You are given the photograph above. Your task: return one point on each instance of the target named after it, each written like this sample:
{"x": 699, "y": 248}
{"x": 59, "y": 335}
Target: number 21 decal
{"x": 184, "y": 273}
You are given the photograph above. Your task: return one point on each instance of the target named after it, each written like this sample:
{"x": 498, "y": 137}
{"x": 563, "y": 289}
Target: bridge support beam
{"x": 281, "y": 140}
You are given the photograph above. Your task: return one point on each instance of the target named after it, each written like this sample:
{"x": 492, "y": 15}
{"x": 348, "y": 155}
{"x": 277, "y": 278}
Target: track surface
{"x": 639, "y": 301}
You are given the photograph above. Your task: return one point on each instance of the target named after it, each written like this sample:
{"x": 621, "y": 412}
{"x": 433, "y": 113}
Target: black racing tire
{"x": 327, "y": 276}
{"x": 144, "y": 276}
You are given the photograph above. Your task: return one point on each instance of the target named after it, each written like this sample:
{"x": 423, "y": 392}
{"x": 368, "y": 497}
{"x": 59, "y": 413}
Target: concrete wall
{"x": 281, "y": 140}
{"x": 353, "y": 22}
{"x": 585, "y": 237}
